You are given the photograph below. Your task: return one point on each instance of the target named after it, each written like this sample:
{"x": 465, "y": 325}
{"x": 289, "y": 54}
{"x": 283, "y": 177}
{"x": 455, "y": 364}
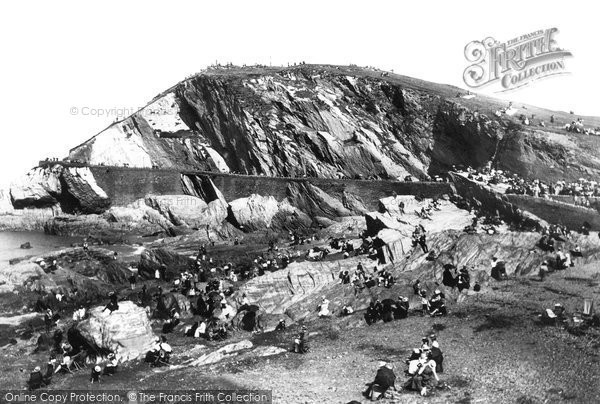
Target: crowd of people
{"x": 582, "y": 190}
{"x": 64, "y": 358}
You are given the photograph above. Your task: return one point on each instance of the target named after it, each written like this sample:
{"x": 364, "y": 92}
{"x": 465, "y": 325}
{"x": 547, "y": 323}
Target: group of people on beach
{"x": 423, "y": 366}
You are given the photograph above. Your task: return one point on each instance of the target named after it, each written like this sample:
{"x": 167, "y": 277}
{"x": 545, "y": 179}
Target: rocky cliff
{"x": 313, "y": 120}
{"x": 327, "y": 121}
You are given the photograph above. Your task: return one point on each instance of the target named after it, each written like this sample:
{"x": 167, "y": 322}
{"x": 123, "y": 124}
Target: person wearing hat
{"x": 424, "y": 377}
{"x": 301, "y": 342}
{"x": 36, "y": 380}
{"x": 281, "y": 326}
{"x": 425, "y": 347}
{"x": 111, "y": 367}
{"x": 50, "y": 367}
{"x": 415, "y": 354}
{"x": 416, "y": 360}
{"x": 559, "y": 310}
{"x": 95, "y": 376}
{"x": 437, "y": 304}
{"x": 384, "y": 380}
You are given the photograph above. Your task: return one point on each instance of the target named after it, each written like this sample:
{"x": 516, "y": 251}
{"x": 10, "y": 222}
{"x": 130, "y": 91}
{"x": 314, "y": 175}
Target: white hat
{"x": 97, "y": 368}
{"x": 435, "y": 344}
{"x": 37, "y": 369}
{"x": 381, "y": 364}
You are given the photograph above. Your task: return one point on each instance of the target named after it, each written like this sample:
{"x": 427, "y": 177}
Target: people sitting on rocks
{"x": 385, "y": 379}
{"x": 344, "y": 277}
{"x": 65, "y": 365}
{"x": 301, "y": 341}
{"x": 217, "y": 331}
{"x": 498, "y": 270}
{"x": 199, "y": 331}
{"x": 402, "y": 306}
{"x": 463, "y": 281}
{"x": 79, "y": 314}
{"x": 163, "y": 355}
{"x": 152, "y": 354}
{"x": 172, "y": 322}
{"x": 95, "y": 375}
{"x": 111, "y": 366}
{"x": 386, "y": 279}
{"x": 387, "y": 310}
{"x": 323, "y": 310}
{"x": 417, "y": 287}
{"x": 437, "y": 304}
{"x": 50, "y": 319}
{"x": 281, "y": 326}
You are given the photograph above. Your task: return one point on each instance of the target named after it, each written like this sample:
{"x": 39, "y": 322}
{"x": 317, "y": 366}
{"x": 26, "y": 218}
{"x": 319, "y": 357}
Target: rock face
{"x": 316, "y": 121}
{"x": 186, "y": 210}
{"x": 74, "y": 189}
{"x": 260, "y": 212}
{"x": 126, "y": 332}
{"x": 325, "y": 121}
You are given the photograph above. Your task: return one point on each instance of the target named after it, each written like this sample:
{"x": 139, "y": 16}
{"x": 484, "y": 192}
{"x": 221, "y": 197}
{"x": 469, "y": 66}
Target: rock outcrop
{"x": 326, "y": 121}
{"x": 264, "y": 212}
{"x": 74, "y": 189}
{"x": 222, "y": 353}
{"x": 126, "y": 331}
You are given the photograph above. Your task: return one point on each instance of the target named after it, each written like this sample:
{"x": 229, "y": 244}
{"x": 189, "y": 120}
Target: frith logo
{"x": 515, "y": 63}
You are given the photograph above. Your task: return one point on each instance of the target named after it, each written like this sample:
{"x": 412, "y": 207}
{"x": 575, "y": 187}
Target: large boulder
{"x": 153, "y": 258}
{"x": 73, "y": 188}
{"x": 22, "y": 274}
{"x": 40, "y": 187}
{"x": 261, "y": 212}
{"x": 187, "y": 210}
{"x": 394, "y": 245}
{"x": 126, "y": 331}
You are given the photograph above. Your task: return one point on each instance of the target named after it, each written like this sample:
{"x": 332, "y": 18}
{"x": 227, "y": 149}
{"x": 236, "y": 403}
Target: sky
{"x": 62, "y": 59}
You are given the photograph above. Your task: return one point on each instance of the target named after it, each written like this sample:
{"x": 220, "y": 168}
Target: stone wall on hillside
{"x": 490, "y": 202}
{"x": 237, "y": 186}
{"x": 127, "y": 185}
